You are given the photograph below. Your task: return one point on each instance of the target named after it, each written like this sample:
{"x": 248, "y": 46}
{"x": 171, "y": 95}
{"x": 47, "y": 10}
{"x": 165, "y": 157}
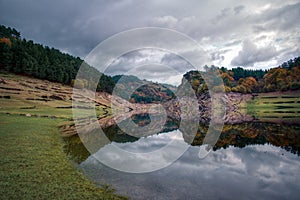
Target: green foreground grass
{"x": 33, "y": 165}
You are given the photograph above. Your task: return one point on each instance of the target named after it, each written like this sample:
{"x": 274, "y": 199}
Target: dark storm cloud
{"x": 71, "y": 26}
{"x": 49, "y": 22}
{"x": 77, "y": 27}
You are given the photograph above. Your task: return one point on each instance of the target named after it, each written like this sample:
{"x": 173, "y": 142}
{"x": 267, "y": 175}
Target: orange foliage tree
{"x": 6, "y": 41}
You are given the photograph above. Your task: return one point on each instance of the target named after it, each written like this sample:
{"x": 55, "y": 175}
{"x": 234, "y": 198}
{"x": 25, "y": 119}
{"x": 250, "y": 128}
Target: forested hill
{"x": 20, "y": 56}
{"x": 282, "y": 78}
{"x": 24, "y": 57}
{"x": 144, "y": 91}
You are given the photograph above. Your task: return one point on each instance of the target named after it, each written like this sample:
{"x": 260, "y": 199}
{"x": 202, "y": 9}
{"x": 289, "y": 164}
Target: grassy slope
{"x": 32, "y": 163}
{"x": 33, "y": 166}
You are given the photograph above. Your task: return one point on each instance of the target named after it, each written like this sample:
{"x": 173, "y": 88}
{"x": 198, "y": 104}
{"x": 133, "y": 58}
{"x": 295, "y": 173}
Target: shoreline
{"x": 34, "y": 166}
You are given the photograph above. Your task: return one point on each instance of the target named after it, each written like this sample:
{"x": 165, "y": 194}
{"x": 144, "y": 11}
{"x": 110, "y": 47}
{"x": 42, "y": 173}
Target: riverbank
{"x": 33, "y": 165}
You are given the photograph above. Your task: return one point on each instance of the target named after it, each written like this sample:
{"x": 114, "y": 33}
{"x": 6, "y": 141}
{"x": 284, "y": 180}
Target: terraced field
{"x": 21, "y": 95}
{"x": 276, "y": 107}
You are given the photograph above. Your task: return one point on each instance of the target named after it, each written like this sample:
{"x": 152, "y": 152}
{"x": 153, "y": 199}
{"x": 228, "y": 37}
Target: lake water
{"x": 250, "y": 161}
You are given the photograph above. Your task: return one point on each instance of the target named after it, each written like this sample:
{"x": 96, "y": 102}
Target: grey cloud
{"x": 151, "y": 64}
{"x": 251, "y": 54}
{"x": 261, "y": 37}
{"x": 289, "y": 53}
{"x": 220, "y": 57}
{"x": 176, "y": 62}
{"x": 165, "y": 21}
{"x": 233, "y": 43}
{"x": 223, "y": 14}
{"x": 49, "y": 22}
{"x": 283, "y": 18}
{"x": 184, "y": 24}
{"x": 74, "y": 26}
{"x": 217, "y": 56}
{"x": 258, "y": 28}
{"x": 77, "y": 27}
{"x": 238, "y": 9}
{"x": 134, "y": 59}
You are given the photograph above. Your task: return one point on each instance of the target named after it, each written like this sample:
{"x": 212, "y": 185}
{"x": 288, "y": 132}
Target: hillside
{"x": 28, "y": 58}
{"x": 142, "y": 91}
{"x": 282, "y": 78}
{"x": 35, "y": 98}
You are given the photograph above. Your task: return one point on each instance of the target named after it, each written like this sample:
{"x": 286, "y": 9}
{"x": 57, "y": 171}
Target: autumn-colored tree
{"x": 246, "y": 85}
{"x": 250, "y": 83}
{"x": 6, "y": 41}
{"x": 239, "y": 88}
{"x": 195, "y": 84}
{"x": 276, "y": 79}
{"x": 227, "y": 78}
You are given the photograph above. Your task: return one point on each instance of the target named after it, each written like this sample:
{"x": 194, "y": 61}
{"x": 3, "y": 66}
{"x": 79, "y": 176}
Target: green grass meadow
{"x": 33, "y": 165}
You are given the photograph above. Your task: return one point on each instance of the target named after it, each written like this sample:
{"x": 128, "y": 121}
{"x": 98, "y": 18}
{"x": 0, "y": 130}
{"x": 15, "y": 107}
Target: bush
{"x": 295, "y": 86}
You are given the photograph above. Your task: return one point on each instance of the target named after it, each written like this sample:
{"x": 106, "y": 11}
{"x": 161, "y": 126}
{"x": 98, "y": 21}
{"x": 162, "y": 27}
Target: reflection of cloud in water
{"x": 144, "y": 154}
{"x": 150, "y": 143}
{"x": 254, "y": 172}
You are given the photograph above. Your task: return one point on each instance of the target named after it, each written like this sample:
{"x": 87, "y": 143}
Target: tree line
{"x": 28, "y": 58}
{"x": 282, "y": 78}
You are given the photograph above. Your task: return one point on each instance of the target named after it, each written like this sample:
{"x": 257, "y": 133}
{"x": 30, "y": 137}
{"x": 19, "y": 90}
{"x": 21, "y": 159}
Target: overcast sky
{"x": 250, "y": 33}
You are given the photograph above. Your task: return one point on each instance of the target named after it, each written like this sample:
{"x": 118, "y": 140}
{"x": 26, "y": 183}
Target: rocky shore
{"x": 234, "y": 107}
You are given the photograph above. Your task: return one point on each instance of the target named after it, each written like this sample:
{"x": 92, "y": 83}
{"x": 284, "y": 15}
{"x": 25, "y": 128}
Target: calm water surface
{"x": 250, "y": 161}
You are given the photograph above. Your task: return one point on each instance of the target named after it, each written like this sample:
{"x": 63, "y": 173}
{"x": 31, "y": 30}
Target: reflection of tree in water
{"x": 142, "y": 119}
{"x": 241, "y": 135}
{"x": 237, "y": 135}
{"x": 114, "y": 133}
